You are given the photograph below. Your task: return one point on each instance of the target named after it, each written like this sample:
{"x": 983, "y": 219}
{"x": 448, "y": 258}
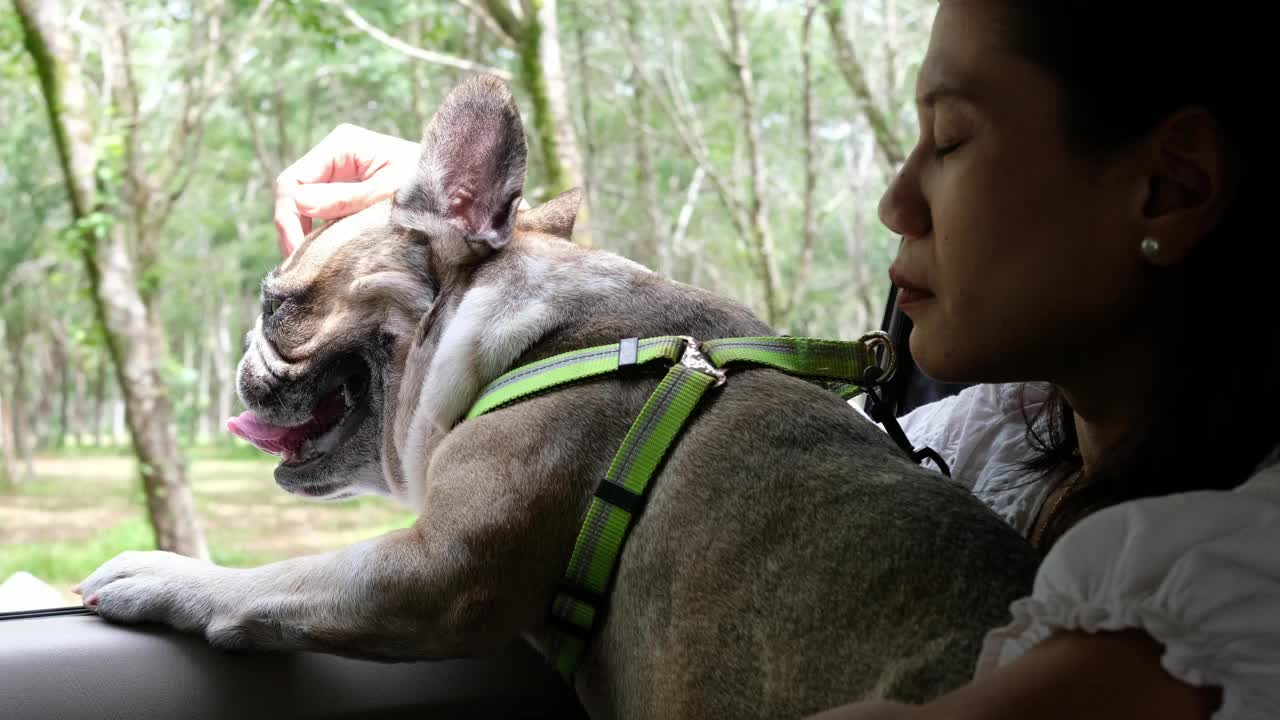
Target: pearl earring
{"x": 1150, "y": 247}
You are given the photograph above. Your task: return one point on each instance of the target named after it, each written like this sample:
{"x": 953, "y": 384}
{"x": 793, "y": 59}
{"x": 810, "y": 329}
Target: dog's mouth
{"x": 334, "y": 419}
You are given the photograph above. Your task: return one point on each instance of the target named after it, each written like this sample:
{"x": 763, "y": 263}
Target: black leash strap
{"x": 880, "y": 412}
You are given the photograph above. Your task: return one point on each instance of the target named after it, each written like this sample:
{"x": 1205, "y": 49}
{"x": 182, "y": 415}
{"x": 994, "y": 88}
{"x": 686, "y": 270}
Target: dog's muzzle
{"x": 300, "y": 417}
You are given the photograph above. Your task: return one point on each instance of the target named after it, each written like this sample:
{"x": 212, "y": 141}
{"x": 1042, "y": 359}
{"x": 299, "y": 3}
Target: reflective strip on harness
{"x": 573, "y": 367}
{"x": 605, "y": 528}
{"x": 841, "y": 365}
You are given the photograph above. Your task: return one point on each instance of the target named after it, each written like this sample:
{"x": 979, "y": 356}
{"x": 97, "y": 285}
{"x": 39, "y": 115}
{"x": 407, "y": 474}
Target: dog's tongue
{"x": 264, "y": 436}
{"x": 280, "y": 440}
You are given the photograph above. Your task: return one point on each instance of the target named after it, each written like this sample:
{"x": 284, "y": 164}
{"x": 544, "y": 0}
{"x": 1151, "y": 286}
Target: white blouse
{"x": 1199, "y": 571}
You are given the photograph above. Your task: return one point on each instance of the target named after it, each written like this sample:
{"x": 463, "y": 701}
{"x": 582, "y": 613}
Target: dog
{"x": 790, "y": 557}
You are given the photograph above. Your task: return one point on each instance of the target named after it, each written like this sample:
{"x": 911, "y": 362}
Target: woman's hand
{"x": 1071, "y": 675}
{"x": 346, "y": 172}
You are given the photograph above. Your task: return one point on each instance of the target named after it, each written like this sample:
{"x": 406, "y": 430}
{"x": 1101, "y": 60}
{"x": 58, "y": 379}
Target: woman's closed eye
{"x": 942, "y": 149}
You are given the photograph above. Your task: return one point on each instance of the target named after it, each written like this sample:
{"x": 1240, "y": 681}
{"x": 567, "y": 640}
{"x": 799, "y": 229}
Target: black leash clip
{"x": 879, "y": 412}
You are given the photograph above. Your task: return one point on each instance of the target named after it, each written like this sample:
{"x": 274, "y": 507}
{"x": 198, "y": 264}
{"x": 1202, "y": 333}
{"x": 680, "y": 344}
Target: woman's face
{"x": 1020, "y": 256}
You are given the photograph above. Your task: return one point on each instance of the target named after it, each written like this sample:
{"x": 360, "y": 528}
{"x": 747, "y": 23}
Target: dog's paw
{"x": 160, "y": 587}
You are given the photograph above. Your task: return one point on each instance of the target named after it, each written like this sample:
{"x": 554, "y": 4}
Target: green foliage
{"x": 292, "y": 76}
{"x": 228, "y": 491}
{"x": 62, "y": 563}
{"x": 305, "y": 68}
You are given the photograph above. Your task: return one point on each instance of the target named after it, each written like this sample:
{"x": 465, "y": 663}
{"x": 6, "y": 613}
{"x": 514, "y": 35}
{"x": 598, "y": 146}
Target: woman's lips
{"x": 909, "y": 293}
{"x": 908, "y": 297}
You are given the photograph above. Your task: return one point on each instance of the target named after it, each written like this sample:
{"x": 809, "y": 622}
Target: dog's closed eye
{"x": 270, "y": 305}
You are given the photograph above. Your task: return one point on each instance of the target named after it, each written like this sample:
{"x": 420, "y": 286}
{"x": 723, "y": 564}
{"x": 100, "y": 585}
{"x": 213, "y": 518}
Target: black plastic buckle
{"x": 619, "y": 496}
{"x": 568, "y": 628}
{"x": 580, "y": 593}
{"x": 583, "y": 595}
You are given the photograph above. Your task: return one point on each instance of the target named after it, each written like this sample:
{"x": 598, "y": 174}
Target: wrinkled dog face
{"x": 320, "y": 358}
{"x": 340, "y": 314}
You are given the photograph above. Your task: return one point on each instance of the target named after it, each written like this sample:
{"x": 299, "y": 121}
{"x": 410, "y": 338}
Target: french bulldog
{"x": 789, "y": 559}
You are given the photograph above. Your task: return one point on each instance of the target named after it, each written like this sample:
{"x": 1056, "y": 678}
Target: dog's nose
{"x": 271, "y": 396}
{"x": 254, "y": 389}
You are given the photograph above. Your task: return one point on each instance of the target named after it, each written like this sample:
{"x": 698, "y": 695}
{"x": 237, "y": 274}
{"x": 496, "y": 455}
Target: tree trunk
{"x": 190, "y": 343}
{"x": 537, "y": 40}
{"x": 100, "y": 402}
{"x": 45, "y": 376}
{"x": 9, "y": 469}
{"x": 78, "y": 409}
{"x": 62, "y": 369}
{"x": 135, "y": 345}
{"x": 224, "y": 374}
{"x": 589, "y": 153}
{"x": 542, "y": 75}
{"x": 653, "y": 247}
{"x": 859, "y": 164}
{"x": 8, "y": 453}
{"x": 19, "y": 366}
{"x": 846, "y": 58}
{"x": 809, "y": 222}
{"x": 739, "y": 57}
{"x": 200, "y": 428}
{"x": 20, "y": 426}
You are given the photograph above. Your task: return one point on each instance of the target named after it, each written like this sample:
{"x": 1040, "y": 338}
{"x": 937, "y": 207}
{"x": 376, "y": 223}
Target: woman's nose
{"x": 903, "y": 208}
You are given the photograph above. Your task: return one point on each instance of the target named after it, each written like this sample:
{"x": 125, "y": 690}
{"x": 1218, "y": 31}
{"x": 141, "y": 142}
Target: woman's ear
{"x": 1190, "y": 183}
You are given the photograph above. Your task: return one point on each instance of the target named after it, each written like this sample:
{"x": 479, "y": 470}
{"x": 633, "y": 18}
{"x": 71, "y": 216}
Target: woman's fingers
{"x": 346, "y": 172}
{"x": 340, "y": 199}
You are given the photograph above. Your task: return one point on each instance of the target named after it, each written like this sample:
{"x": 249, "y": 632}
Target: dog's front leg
{"x": 394, "y": 597}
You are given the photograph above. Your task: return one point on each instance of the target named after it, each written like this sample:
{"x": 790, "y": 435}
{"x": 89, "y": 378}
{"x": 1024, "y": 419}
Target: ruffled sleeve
{"x": 980, "y": 424}
{"x": 982, "y": 434}
{"x": 1199, "y": 572}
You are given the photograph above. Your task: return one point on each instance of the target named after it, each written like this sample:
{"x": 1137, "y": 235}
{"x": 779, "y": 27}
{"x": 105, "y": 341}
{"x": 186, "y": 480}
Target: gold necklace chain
{"x": 1042, "y": 518}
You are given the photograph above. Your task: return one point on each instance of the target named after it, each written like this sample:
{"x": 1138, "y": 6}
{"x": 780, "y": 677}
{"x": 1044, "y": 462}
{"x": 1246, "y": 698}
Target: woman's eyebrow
{"x": 942, "y": 91}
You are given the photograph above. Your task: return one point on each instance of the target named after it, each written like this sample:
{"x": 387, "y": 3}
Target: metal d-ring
{"x": 695, "y": 359}
{"x": 886, "y": 361}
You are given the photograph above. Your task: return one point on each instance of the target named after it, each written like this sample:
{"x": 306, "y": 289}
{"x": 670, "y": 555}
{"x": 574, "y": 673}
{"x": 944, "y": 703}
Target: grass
{"x": 62, "y": 563}
{"x": 82, "y": 509}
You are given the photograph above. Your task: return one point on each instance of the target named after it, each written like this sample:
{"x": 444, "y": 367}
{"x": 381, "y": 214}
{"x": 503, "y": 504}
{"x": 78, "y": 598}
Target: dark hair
{"x": 1123, "y": 68}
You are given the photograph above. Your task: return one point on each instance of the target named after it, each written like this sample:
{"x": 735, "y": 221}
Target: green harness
{"x": 846, "y": 368}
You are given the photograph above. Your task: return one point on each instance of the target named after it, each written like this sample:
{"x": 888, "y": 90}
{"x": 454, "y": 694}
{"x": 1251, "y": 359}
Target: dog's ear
{"x": 470, "y": 175}
{"x": 554, "y": 217}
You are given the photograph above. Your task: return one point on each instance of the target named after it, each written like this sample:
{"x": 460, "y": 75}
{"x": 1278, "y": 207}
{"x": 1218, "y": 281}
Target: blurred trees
{"x": 740, "y": 145}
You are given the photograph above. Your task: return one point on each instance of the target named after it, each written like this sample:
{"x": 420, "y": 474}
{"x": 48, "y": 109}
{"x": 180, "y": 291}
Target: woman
{"x": 1088, "y": 182}
{"x": 1088, "y": 187}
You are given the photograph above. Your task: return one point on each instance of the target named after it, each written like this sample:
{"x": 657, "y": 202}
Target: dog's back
{"x": 810, "y": 565}
{"x": 790, "y": 558}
